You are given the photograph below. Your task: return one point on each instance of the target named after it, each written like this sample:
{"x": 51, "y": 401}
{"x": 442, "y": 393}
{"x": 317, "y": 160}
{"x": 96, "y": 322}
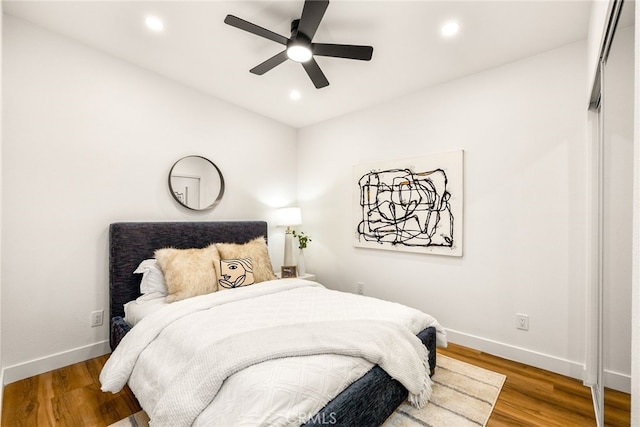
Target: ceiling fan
{"x": 300, "y": 46}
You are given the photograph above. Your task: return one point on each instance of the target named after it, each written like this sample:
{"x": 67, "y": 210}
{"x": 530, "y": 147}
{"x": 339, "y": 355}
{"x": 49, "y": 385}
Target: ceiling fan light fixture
{"x": 299, "y": 47}
{"x": 299, "y": 53}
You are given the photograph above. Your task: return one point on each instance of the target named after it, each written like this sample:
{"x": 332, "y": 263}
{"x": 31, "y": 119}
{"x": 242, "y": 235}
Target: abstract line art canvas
{"x": 411, "y": 205}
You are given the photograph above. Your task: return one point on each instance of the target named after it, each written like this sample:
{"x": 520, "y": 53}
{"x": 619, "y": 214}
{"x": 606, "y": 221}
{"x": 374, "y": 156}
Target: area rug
{"x": 463, "y": 395}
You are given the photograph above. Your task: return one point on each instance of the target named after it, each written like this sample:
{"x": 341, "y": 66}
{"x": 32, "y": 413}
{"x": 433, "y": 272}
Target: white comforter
{"x": 240, "y": 369}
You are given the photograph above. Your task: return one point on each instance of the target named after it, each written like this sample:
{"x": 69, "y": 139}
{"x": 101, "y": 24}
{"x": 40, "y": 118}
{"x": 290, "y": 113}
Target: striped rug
{"x": 463, "y": 395}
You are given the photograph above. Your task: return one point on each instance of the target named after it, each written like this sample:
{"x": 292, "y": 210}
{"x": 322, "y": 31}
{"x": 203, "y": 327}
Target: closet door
{"x": 617, "y": 200}
{"x": 609, "y": 323}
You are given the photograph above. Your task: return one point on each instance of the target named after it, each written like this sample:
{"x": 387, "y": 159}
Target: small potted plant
{"x": 303, "y": 241}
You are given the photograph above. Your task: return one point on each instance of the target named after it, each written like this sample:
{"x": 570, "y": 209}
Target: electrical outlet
{"x": 97, "y": 318}
{"x": 522, "y": 321}
{"x": 360, "y": 288}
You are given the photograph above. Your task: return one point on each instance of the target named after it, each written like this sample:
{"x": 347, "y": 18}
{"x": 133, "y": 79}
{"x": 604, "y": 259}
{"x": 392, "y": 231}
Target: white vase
{"x": 301, "y": 266}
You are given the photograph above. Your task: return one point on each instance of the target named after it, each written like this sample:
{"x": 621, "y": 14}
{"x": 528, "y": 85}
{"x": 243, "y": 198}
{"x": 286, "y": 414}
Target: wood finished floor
{"x": 535, "y": 397}
{"x": 68, "y": 397}
{"x": 71, "y": 397}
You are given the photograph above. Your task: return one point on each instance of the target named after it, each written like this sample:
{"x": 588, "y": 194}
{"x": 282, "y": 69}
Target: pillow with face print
{"x": 255, "y": 249}
{"x": 233, "y": 273}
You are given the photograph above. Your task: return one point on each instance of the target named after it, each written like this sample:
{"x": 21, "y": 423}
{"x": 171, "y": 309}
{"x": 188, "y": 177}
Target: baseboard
{"x": 41, "y": 365}
{"x": 617, "y": 381}
{"x": 614, "y": 380}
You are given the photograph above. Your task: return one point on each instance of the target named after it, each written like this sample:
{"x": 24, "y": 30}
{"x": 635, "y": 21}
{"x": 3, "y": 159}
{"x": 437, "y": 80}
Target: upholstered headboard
{"x": 132, "y": 242}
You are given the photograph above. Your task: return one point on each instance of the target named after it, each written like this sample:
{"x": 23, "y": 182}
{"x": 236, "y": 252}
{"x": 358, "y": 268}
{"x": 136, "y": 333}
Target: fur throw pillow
{"x": 255, "y": 249}
{"x": 188, "y": 272}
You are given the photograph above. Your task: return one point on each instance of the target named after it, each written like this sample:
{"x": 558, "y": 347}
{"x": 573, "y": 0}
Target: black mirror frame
{"x": 220, "y": 193}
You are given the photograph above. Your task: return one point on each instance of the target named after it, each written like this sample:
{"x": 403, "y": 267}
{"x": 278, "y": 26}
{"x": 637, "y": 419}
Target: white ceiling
{"x": 199, "y": 50}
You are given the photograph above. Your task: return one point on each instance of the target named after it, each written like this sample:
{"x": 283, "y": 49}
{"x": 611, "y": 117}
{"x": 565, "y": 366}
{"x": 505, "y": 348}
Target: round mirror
{"x": 196, "y": 183}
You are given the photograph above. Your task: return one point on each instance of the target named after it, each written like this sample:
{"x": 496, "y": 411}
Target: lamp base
{"x": 288, "y": 245}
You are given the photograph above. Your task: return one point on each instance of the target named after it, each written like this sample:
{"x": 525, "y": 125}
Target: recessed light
{"x": 450, "y": 29}
{"x": 295, "y": 95}
{"x": 154, "y": 23}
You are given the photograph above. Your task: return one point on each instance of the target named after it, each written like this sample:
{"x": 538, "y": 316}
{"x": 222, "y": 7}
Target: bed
{"x": 366, "y": 400}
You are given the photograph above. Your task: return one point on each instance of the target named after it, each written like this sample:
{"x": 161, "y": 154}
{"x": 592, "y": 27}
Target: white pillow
{"x": 152, "y": 284}
{"x": 135, "y": 311}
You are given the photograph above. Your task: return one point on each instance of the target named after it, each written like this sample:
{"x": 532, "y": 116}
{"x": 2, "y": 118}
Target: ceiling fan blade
{"x": 312, "y": 14}
{"x": 315, "y": 73}
{"x": 363, "y": 53}
{"x": 270, "y": 63}
{"x": 234, "y": 21}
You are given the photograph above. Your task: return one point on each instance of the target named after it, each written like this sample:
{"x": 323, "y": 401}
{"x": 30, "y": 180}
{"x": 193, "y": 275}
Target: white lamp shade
{"x": 288, "y": 217}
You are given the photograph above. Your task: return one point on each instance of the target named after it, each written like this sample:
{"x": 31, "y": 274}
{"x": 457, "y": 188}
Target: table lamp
{"x": 288, "y": 217}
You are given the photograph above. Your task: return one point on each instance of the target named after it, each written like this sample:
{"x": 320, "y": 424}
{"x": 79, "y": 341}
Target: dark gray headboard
{"x": 132, "y": 242}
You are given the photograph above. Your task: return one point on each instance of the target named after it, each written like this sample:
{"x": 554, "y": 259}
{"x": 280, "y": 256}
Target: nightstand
{"x": 305, "y": 276}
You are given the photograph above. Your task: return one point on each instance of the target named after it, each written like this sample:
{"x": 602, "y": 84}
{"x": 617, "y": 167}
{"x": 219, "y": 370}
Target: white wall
{"x": 89, "y": 140}
{"x": 523, "y": 129}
